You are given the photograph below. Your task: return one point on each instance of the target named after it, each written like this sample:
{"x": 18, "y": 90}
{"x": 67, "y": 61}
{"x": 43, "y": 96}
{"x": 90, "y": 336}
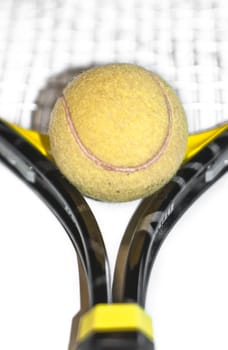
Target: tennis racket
{"x": 122, "y": 324}
{"x": 205, "y": 107}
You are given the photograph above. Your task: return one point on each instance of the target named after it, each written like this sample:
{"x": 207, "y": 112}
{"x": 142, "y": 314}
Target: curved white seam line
{"x": 109, "y": 166}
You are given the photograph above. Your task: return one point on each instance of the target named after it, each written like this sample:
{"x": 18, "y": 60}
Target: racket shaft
{"x": 158, "y": 213}
{"x": 66, "y": 203}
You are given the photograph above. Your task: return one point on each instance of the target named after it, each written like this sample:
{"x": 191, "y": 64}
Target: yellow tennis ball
{"x": 118, "y": 132}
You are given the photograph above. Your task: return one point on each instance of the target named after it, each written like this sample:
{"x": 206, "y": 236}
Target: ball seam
{"x": 109, "y": 166}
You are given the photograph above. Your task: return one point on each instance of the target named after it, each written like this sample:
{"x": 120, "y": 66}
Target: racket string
{"x": 185, "y": 43}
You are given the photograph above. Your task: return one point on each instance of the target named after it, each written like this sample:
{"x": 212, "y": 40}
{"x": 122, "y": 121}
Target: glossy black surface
{"x": 156, "y": 216}
{"x": 66, "y": 203}
{"x": 147, "y": 230}
{"x": 117, "y": 341}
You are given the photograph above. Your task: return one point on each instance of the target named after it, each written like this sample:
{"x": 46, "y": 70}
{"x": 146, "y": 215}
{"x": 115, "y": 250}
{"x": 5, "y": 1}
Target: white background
{"x": 184, "y": 41}
{"x": 187, "y": 295}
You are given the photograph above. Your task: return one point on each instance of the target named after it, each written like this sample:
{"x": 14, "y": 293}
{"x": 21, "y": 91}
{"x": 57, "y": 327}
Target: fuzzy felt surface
{"x": 124, "y": 116}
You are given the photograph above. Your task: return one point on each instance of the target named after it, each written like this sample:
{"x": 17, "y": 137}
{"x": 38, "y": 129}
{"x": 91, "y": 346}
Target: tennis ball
{"x": 118, "y": 132}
